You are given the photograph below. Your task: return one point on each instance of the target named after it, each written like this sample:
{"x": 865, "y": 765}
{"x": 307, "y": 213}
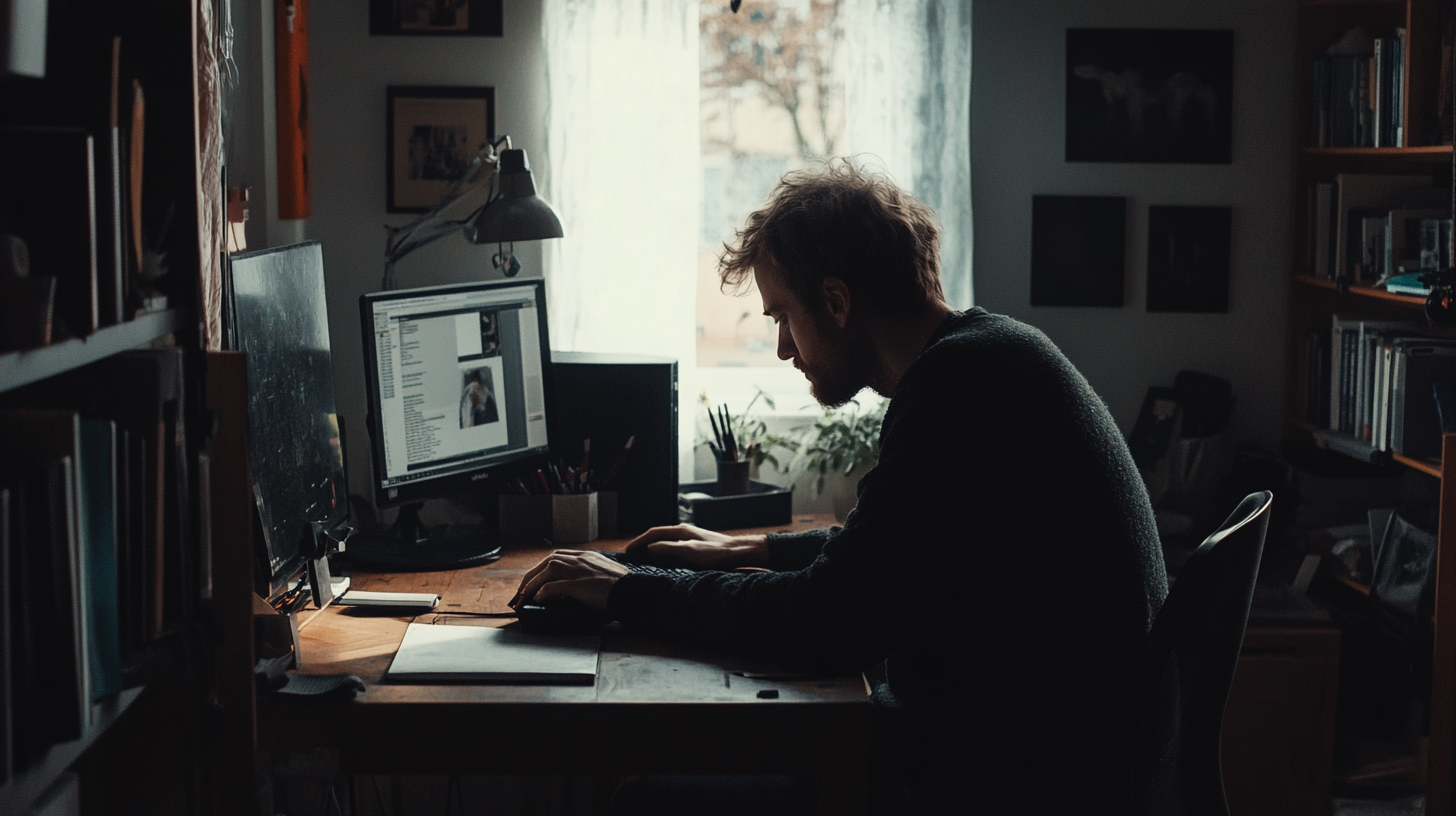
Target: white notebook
{"x": 485, "y": 654}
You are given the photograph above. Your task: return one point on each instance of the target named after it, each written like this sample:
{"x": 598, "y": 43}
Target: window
{"x": 669, "y": 122}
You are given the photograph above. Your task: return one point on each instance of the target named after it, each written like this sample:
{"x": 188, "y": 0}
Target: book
{"x": 1323, "y": 237}
{"x": 7, "y": 537}
{"x": 54, "y": 619}
{"x": 1415, "y": 424}
{"x": 98, "y": 506}
{"x": 485, "y": 654}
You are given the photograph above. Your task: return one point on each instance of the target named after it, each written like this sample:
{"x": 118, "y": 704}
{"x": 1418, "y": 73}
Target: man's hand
{"x": 695, "y": 547}
{"x": 585, "y": 576}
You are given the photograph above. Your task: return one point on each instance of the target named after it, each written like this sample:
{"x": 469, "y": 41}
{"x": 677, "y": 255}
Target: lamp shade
{"x": 518, "y": 214}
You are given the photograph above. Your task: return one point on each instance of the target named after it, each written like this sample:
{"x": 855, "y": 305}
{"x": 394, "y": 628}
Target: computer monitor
{"x": 277, "y": 312}
{"x": 459, "y": 396}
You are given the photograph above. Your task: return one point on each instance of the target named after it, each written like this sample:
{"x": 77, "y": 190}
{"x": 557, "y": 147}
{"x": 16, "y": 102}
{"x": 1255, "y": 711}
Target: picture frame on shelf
{"x": 1078, "y": 250}
{"x": 436, "y": 18}
{"x": 431, "y": 133}
{"x": 1188, "y": 258}
{"x": 1149, "y": 95}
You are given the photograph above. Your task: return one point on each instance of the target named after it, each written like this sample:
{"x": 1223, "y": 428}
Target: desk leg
{"x": 842, "y": 765}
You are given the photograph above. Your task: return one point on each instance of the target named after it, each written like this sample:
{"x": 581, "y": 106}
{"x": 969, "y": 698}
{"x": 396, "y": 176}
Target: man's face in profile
{"x": 818, "y": 348}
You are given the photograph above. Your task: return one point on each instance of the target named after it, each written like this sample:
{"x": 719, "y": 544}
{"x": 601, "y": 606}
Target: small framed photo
{"x": 1078, "y": 250}
{"x": 436, "y": 18}
{"x": 1188, "y": 258}
{"x": 431, "y": 135}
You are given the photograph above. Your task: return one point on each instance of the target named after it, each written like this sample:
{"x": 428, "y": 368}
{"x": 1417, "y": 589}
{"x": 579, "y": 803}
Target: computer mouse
{"x": 561, "y": 615}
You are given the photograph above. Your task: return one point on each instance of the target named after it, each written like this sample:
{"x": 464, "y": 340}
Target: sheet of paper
{"x": 477, "y": 654}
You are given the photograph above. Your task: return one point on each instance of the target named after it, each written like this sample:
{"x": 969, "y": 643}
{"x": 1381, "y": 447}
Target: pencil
{"x": 611, "y": 479}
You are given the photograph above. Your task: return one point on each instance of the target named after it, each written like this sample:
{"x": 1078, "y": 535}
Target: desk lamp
{"x": 510, "y": 212}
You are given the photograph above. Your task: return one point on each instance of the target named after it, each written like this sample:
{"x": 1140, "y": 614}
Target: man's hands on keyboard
{"x": 689, "y": 546}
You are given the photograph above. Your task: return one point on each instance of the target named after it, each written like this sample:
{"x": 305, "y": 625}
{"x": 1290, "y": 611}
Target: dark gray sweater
{"x": 1002, "y": 560}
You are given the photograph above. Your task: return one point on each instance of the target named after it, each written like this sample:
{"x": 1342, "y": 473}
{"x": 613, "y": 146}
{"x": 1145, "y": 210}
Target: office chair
{"x": 1188, "y": 668}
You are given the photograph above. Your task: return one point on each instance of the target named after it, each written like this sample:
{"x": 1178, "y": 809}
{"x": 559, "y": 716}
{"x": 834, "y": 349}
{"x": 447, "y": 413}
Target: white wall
{"x": 350, "y": 70}
{"x": 1017, "y": 130}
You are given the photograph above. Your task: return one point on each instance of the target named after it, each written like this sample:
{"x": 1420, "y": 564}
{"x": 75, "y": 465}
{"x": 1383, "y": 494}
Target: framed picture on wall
{"x": 1188, "y": 258}
{"x": 436, "y": 18}
{"x": 1149, "y": 95}
{"x": 431, "y": 133}
{"x": 1078, "y": 250}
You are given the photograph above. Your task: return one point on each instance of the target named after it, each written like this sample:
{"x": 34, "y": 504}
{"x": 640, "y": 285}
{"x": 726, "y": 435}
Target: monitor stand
{"x": 410, "y": 546}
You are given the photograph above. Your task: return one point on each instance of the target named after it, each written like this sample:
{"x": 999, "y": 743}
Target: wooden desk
{"x": 653, "y": 709}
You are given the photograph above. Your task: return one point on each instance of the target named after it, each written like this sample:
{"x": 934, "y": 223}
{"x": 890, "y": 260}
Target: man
{"x": 1001, "y": 564}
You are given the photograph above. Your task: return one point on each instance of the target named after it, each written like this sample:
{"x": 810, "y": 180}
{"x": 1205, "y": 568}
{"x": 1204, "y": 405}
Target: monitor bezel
{"x": 490, "y": 475}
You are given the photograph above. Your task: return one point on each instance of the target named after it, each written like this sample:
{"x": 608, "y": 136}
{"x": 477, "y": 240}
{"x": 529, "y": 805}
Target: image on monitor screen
{"x": 459, "y": 397}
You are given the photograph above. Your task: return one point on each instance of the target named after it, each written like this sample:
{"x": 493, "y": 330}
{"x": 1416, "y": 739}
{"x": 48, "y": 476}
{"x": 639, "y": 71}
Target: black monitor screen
{"x": 457, "y": 385}
{"x": 280, "y": 318}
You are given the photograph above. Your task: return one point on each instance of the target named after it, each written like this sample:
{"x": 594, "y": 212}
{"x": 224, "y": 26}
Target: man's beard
{"x": 837, "y": 380}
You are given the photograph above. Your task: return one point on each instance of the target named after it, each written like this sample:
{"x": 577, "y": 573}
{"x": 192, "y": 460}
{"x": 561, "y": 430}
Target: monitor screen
{"x": 279, "y": 316}
{"x": 457, "y": 385}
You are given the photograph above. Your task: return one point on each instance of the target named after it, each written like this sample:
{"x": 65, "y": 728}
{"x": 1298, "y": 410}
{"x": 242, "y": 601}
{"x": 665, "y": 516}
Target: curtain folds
{"x": 622, "y": 152}
{"x": 908, "y": 104}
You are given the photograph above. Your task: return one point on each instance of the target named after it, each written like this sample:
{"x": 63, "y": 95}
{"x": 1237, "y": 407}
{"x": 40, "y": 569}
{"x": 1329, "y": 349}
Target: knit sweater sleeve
{"x": 793, "y": 551}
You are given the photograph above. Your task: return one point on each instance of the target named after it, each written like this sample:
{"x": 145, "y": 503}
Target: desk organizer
{"x": 764, "y": 505}
{"x": 569, "y": 518}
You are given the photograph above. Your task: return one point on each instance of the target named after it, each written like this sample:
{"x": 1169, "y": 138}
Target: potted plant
{"x": 843, "y": 440}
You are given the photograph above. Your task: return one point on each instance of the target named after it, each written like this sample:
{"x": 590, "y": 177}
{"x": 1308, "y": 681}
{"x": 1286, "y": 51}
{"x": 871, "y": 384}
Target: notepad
{"x": 484, "y": 654}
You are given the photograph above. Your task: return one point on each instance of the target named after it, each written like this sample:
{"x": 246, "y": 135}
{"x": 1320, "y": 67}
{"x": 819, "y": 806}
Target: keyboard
{"x": 644, "y": 565}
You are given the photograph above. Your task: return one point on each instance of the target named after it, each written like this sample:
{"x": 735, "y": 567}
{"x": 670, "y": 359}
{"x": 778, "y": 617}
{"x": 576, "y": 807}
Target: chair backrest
{"x": 1188, "y": 668}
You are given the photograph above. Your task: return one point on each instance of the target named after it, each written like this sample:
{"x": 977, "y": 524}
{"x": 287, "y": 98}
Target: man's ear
{"x": 837, "y": 301}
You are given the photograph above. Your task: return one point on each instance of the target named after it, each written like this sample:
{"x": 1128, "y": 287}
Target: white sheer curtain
{"x": 908, "y": 102}
{"x": 622, "y": 145}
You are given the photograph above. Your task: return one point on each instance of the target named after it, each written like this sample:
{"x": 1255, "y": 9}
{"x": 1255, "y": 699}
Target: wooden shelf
{"x": 1351, "y": 2}
{"x": 19, "y": 368}
{"x": 1423, "y": 153}
{"x": 1361, "y": 291}
{"x": 1429, "y": 468}
{"x": 21, "y": 791}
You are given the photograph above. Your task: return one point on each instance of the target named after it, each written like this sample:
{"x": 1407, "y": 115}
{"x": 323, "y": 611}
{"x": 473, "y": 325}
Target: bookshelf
{"x": 1405, "y": 118}
{"x": 137, "y": 664}
{"x": 19, "y": 368}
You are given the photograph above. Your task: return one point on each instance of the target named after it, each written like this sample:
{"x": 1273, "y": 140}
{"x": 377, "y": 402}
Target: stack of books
{"x": 1378, "y": 387}
{"x": 92, "y": 516}
{"x": 1359, "y": 83}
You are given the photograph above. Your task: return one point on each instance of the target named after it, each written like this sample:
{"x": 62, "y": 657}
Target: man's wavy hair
{"x": 840, "y": 220}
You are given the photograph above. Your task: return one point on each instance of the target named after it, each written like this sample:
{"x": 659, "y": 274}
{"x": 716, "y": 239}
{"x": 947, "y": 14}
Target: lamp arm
{"x": 433, "y": 225}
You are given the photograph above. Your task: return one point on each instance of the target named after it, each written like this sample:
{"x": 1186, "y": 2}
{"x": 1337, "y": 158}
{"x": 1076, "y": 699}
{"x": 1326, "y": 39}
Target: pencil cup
{"x": 732, "y": 477}
{"x": 573, "y": 518}
{"x": 606, "y": 513}
{"x": 525, "y": 516}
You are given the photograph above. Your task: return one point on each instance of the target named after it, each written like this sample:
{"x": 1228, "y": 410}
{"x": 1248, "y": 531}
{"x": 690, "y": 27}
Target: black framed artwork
{"x": 1188, "y": 258}
{"x": 431, "y": 133}
{"x": 436, "y": 18}
{"x": 1078, "y": 250}
{"x": 1149, "y": 95}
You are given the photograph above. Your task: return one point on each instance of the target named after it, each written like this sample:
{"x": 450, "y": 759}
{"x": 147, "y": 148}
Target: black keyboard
{"x": 644, "y": 564}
